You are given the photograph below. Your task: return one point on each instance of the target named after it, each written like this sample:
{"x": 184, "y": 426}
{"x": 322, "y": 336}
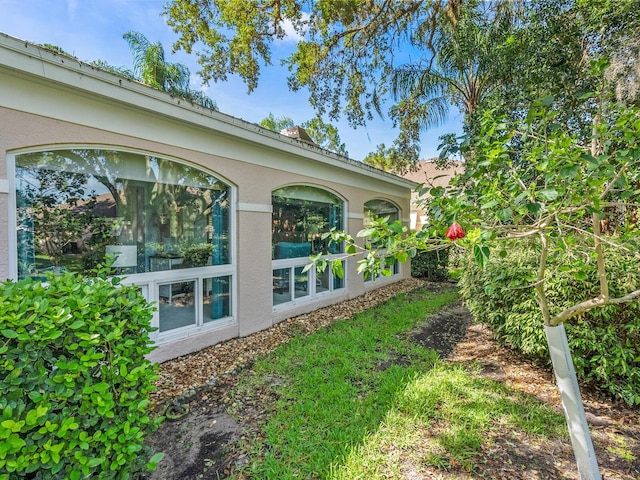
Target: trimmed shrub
{"x": 431, "y": 265}
{"x": 74, "y": 382}
{"x": 605, "y": 342}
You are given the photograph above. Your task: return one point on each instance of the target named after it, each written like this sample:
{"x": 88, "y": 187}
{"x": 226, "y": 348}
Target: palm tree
{"x": 461, "y": 73}
{"x": 151, "y": 68}
{"x": 464, "y": 69}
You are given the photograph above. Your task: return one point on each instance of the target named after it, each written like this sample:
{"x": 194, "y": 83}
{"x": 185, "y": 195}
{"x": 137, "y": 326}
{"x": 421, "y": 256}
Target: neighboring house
{"x": 428, "y": 174}
{"x": 211, "y": 216}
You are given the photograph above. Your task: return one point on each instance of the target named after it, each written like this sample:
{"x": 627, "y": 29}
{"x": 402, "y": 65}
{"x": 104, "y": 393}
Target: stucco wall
{"x": 60, "y": 108}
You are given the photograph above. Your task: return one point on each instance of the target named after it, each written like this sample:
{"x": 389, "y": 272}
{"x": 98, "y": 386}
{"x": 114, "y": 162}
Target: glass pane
{"x": 176, "y": 306}
{"x": 281, "y": 286}
{"x": 149, "y": 214}
{"x": 301, "y": 215}
{"x": 301, "y": 283}
{"x": 337, "y": 281}
{"x": 380, "y": 208}
{"x": 216, "y": 298}
{"x": 322, "y": 280}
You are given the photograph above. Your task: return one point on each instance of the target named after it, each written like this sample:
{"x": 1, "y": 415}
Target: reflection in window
{"x": 379, "y": 208}
{"x": 301, "y": 282}
{"x": 216, "y": 298}
{"x": 322, "y": 281}
{"x": 177, "y": 305}
{"x": 301, "y": 214}
{"x": 281, "y": 286}
{"x": 76, "y": 206}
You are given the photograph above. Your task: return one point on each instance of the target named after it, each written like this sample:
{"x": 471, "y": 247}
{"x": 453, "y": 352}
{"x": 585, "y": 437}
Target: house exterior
{"x": 212, "y": 217}
{"x": 428, "y": 174}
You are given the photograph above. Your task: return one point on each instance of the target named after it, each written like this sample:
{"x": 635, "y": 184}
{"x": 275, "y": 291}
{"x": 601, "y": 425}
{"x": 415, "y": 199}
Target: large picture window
{"x": 74, "y": 207}
{"x": 301, "y": 214}
{"x": 165, "y": 224}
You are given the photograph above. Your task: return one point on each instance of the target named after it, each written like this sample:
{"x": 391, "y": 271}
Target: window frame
{"x": 297, "y": 262}
{"x": 396, "y": 268}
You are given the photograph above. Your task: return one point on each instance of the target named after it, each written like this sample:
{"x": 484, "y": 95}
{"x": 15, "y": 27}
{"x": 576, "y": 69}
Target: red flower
{"x": 455, "y": 232}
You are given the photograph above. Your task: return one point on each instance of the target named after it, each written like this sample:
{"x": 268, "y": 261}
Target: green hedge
{"x": 431, "y": 265}
{"x": 74, "y": 381}
{"x": 605, "y": 342}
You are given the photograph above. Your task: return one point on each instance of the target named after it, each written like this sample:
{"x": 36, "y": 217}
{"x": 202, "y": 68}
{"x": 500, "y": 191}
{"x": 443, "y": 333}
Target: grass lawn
{"x": 361, "y": 400}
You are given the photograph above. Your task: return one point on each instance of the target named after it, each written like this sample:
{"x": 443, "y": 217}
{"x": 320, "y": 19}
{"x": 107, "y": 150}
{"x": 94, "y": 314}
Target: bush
{"x": 74, "y": 382}
{"x": 605, "y": 342}
{"x": 431, "y": 265}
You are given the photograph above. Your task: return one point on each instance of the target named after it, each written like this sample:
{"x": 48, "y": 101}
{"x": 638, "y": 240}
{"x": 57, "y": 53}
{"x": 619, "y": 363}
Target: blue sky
{"x": 93, "y": 29}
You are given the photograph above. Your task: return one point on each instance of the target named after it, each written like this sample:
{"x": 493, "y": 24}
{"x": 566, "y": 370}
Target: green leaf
{"x": 337, "y": 268}
{"x": 77, "y": 324}
{"x": 12, "y": 425}
{"x": 534, "y": 208}
{"x": 569, "y": 172}
{"x": 489, "y": 205}
{"x": 437, "y": 192}
{"x": 547, "y": 101}
{"x": 481, "y": 254}
{"x": 366, "y": 232}
{"x": 9, "y": 333}
{"x": 153, "y": 462}
{"x": 15, "y": 443}
{"x": 505, "y": 215}
{"x": 396, "y": 227}
{"x": 548, "y": 194}
{"x": 520, "y": 197}
{"x": 580, "y": 275}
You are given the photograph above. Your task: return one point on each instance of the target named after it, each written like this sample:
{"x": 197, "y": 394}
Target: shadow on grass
{"x": 368, "y": 395}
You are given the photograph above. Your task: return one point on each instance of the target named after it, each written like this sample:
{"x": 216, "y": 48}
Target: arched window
{"x": 301, "y": 214}
{"x": 381, "y": 208}
{"x": 75, "y": 207}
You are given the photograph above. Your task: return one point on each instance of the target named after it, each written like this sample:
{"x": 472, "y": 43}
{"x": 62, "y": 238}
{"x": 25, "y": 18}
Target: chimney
{"x": 298, "y": 133}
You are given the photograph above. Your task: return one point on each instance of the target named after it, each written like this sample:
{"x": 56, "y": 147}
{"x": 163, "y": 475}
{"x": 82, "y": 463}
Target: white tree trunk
{"x": 572, "y": 402}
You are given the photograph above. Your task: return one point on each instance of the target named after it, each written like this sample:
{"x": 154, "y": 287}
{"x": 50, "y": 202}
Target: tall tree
{"x": 465, "y": 67}
{"x": 277, "y": 124}
{"x": 152, "y": 68}
{"x": 351, "y": 50}
{"x": 383, "y": 158}
{"x": 347, "y": 53}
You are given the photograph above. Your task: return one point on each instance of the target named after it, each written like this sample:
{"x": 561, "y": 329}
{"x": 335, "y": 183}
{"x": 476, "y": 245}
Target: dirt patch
{"x": 195, "y": 446}
{"x": 204, "y": 443}
{"x": 444, "y": 330}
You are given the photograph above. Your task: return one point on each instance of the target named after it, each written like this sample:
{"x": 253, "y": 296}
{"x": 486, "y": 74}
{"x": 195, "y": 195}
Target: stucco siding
{"x": 47, "y": 104}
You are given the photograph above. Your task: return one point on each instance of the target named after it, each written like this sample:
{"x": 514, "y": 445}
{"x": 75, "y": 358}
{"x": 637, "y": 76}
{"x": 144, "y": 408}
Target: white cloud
{"x": 72, "y": 8}
{"x": 292, "y": 36}
{"x": 195, "y": 82}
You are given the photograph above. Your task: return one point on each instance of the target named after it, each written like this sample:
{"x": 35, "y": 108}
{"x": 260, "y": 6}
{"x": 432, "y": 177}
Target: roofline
{"x": 47, "y": 65}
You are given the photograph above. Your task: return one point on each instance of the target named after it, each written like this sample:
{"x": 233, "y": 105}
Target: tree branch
{"x": 590, "y": 304}
{"x": 542, "y": 267}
